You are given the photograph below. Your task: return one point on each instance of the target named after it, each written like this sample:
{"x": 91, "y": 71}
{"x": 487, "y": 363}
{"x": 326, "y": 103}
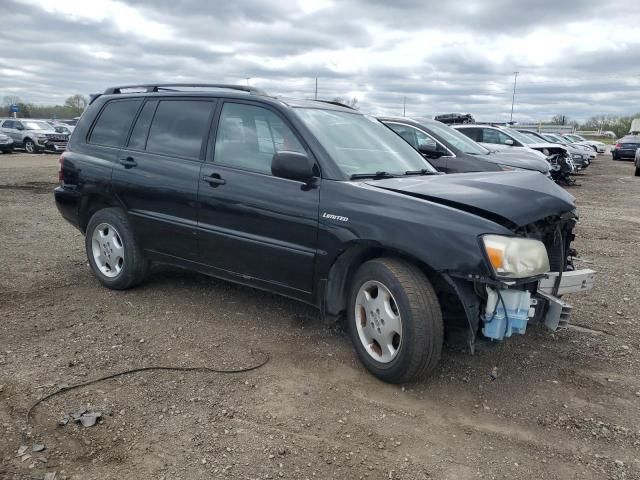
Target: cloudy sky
{"x": 574, "y": 57}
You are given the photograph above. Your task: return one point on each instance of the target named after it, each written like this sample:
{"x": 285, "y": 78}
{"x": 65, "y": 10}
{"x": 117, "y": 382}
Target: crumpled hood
{"x": 518, "y": 197}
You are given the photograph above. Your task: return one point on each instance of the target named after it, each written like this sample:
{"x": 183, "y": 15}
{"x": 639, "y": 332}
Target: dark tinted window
{"x": 8, "y": 124}
{"x": 138, "y": 138}
{"x": 114, "y": 122}
{"x": 472, "y": 133}
{"x": 248, "y": 137}
{"x": 178, "y": 127}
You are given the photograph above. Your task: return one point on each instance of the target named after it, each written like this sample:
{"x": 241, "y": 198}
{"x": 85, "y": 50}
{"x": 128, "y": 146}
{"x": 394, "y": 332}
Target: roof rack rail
{"x": 339, "y": 104}
{"x": 169, "y": 87}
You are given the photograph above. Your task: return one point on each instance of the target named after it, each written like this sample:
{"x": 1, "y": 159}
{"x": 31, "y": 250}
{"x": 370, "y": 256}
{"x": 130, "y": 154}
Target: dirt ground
{"x": 565, "y": 405}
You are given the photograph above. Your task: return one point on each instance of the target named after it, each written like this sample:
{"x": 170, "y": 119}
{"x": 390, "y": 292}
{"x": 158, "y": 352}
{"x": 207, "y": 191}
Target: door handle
{"x": 128, "y": 162}
{"x": 214, "y": 179}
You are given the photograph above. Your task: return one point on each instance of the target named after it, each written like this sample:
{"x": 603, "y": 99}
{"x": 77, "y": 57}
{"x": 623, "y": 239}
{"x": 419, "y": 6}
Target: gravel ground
{"x": 564, "y": 405}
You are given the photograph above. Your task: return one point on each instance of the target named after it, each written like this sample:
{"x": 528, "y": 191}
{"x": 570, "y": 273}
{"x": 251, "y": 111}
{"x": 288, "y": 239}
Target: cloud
{"x": 573, "y": 57}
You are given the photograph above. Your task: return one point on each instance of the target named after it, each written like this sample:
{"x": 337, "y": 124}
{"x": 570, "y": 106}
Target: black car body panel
{"x": 302, "y": 239}
{"x": 490, "y": 195}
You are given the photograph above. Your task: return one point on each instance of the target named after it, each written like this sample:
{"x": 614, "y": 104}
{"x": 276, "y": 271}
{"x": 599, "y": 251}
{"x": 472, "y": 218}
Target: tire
{"x": 419, "y": 345}
{"x": 30, "y": 146}
{"x": 113, "y": 253}
{"x": 637, "y": 174}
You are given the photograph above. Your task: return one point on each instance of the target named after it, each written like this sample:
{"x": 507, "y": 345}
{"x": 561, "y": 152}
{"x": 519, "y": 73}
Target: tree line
{"x": 73, "y": 107}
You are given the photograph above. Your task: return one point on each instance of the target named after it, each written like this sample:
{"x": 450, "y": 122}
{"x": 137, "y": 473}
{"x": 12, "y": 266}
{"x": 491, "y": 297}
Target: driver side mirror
{"x": 293, "y": 166}
{"x": 509, "y": 142}
{"x": 430, "y": 151}
{"x": 19, "y": 127}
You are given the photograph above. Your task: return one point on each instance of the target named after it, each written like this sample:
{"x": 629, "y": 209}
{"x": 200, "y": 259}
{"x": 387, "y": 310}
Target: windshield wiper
{"x": 376, "y": 175}
{"x": 422, "y": 171}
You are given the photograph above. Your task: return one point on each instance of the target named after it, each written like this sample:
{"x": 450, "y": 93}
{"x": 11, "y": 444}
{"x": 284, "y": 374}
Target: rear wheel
{"x": 395, "y": 320}
{"x": 113, "y": 253}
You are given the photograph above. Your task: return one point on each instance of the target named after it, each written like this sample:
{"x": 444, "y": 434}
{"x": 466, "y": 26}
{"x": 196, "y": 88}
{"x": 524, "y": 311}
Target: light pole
{"x": 513, "y": 98}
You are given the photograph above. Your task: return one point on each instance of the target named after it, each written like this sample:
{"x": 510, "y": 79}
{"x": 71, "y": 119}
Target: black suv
{"x": 319, "y": 203}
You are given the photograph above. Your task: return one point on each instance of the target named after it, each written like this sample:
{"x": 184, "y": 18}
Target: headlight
{"x": 577, "y": 156}
{"x": 513, "y": 257}
{"x": 545, "y": 151}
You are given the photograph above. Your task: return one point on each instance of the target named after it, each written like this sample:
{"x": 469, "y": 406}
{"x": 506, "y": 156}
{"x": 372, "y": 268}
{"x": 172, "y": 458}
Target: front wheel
{"x": 395, "y": 320}
{"x": 637, "y": 171}
{"x": 113, "y": 253}
{"x": 30, "y": 146}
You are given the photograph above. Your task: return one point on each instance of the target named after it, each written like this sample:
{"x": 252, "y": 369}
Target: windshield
{"x": 31, "y": 125}
{"x": 361, "y": 144}
{"x": 532, "y": 136}
{"x": 456, "y": 139}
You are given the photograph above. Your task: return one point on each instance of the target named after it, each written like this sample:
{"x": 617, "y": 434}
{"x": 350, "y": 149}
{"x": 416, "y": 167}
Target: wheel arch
{"x": 90, "y": 204}
{"x": 343, "y": 269}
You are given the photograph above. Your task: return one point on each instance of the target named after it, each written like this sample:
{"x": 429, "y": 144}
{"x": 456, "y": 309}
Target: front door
{"x": 251, "y": 223}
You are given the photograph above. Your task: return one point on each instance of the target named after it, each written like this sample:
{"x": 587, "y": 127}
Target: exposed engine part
{"x": 506, "y": 313}
{"x": 557, "y": 312}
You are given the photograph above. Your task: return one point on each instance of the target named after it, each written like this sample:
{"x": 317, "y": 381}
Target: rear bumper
{"x": 624, "y": 154}
{"x": 68, "y": 203}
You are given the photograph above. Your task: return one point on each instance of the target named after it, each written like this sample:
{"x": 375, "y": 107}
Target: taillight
{"x": 618, "y": 145}
{"x": 60, "y": 173}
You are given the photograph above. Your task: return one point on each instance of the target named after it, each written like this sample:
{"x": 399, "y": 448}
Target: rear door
{"x": 251, "y": 223}
{"x": 156, "y": 175}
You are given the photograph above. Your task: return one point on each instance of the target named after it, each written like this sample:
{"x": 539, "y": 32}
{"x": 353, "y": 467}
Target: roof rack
{"x": 170, "y": 87}
{"x": 339, "y": 104}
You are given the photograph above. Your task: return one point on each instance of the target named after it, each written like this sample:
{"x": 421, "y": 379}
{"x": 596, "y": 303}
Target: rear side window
{"x": 179, "y": 127}
{"x": 114, "y": 122}
{"x": 138, "y": 138}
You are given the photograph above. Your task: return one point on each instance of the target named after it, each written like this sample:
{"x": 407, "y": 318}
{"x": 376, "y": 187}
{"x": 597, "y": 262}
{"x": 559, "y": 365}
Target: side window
{"x": 248, "y": 137}
{"x": 114, "y": 122}
{"x": 8, "y": 124}
{"x": 425, "y": 140}
{"x": 138, "y": 139}
{"x": 494, "y": 136}
{"x": 407, "y": 133}
{"x": 179, "y": 127}
{"x": 474, "y": 134}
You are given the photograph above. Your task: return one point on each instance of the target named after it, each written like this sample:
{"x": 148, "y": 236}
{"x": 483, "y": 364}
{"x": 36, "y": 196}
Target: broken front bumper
{"x": 509, "y": 310}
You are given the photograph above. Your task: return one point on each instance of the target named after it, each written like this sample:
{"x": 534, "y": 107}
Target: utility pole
{"x": 513, "y": 99}
{"x": 316, "y": 96}
{"x": 404, "y": 107}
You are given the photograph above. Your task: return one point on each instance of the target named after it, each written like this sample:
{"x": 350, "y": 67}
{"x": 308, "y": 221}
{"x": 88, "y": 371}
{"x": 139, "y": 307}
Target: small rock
{"x": 22, "y": 450}
{"x": 142, "y": 340}
{"x": 37, "y": 447}
{"x": 50, "y": 476}
{"x": 381, "y": 446}
{"x": 494, "y": 373}
{"x": 619, "y": 313}
{"x": 619, "y": 463}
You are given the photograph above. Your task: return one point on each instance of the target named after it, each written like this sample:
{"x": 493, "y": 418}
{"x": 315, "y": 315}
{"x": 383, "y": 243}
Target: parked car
{"x": 322, "y": 204}
{"x": 578, "y": 154}
{"x": 506, "y": 138}
{"x": 33, "y": 135}
{"x": 599, "y": 147}
{"x": 553, "y": 138}
{"x": 454, "y": 118}
{"x": 452, "y": 152}
{"x": 6, "y": 143}
{"x": 625, "y": 148}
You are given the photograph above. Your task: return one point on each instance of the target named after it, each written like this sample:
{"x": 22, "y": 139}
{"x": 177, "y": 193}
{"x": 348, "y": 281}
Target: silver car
{"x": 33, "y": 135}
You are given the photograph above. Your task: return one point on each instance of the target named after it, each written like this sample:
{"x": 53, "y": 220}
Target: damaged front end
{"x": 500, "y": 306}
